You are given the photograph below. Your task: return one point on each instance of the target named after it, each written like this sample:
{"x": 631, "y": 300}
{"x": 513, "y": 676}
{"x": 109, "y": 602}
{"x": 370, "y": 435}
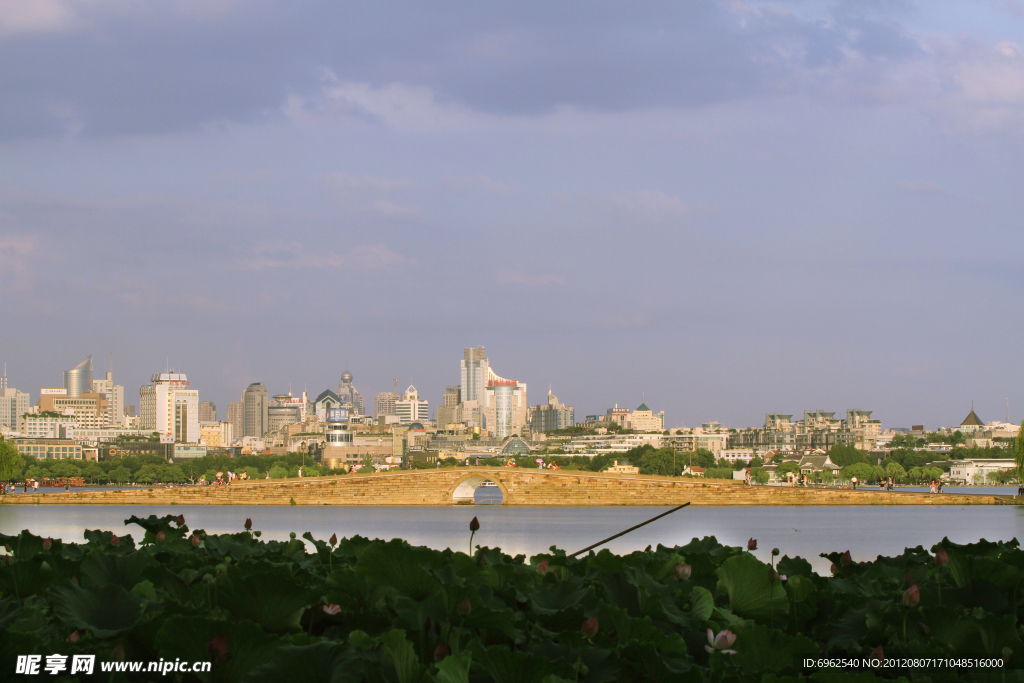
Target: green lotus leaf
{"x": 105, "y": 611}
{"x": 751, "y": 591}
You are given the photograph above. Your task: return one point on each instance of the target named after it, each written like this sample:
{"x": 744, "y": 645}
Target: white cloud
{"x": 35, "y": 16}
{"x": 294, "y": 255}
{"x": 372, "y": 195}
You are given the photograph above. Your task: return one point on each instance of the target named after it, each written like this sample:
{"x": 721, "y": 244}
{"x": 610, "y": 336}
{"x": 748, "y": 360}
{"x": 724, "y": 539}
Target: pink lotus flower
{"x": 542, "y": 568}
{"x": 752, "y": 544}
{"x": 941, "y": 558}
{"x": 114, "y": 540}
{"x": 877, "y": 653}
{"x": 332, "y": 609}
{"x": 912, "y": 596}
{"x": 589, "y": 628}
{"x": 196, "y": 541}
{"x": 722, "y": 642}
{"x": 161, "y": 536}
{"x": 73, "y": 638}
{"x": 682, "y": 572}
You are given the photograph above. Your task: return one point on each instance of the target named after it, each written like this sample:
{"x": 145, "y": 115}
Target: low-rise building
{"x": 977, "y": 471}
{"x": 49, "y": 449}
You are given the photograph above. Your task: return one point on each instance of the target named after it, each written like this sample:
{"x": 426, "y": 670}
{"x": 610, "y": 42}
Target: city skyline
{"x": 730, "y": 208}
{"x": 133, "y": 398}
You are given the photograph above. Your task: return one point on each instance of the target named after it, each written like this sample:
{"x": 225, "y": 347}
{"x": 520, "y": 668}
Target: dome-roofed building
{"x": 515, "y": 445}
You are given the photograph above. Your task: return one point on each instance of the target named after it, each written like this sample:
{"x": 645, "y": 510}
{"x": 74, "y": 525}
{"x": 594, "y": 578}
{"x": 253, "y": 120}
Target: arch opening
{"x": 477, "y": 490}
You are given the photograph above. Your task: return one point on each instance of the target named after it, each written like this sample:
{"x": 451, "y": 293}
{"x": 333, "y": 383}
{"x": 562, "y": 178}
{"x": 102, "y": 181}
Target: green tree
{"x": 120, "y": 474}
{"x": 787, "y": 467}
{"x": 278, "y": 472}
{"x": 846, "y": 455}
{"x": 11, "y": 462}
{"x": 147, "y": 474}
{"x": 896, "y": 471}
{"x": 1018, "y": 453}
{"x": 93, "y": 472}
{"x": 760, "y": 475}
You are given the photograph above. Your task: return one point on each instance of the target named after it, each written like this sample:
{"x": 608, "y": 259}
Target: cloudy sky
{"x": 726, "y": 207}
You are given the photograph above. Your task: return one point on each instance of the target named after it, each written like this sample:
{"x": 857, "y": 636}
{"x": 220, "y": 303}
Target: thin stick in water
{"x": 632, "y": 528}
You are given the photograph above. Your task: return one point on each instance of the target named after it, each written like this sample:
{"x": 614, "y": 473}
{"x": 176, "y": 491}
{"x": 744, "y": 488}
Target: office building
{"x": 114, "y": 395}
{"x": 285, "y": 409}
{"x": 236, "y": 412}
{"x": 550, "y": 417}
{"x": 49, "y": 449}
{"x": 13, "y": 404}
{"x": 79, "y": 380}
{"x": 207, "y": 412}
{"x": 505, "y": 409}
{"x": 384, "y": 404}
{"x": 216, "y": 434}
{"x": 448, "y": 412}
{"x": 324, "y": 402}
{"x": 170, "y": 407}
{"x": 255, "y": 410}
{"x": 410, "y": 408}
{"x": 347, "y": 394}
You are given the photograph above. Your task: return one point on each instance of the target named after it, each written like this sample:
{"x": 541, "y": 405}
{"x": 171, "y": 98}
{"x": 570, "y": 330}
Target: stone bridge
{"x": 518, "y": 487}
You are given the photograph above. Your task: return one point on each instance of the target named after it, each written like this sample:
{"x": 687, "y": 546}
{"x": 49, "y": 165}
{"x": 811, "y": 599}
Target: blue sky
{"x": 727, "y": 207}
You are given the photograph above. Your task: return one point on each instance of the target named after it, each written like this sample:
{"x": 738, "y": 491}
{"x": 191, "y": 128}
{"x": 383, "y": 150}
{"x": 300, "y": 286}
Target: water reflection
{"x": 804, "y": 531}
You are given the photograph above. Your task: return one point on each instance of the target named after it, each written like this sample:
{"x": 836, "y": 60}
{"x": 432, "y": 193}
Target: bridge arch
{"x": 466, "y": 485}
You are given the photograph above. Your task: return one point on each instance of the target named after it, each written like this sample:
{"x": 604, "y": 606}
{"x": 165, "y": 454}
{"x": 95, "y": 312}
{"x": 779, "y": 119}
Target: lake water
{"x": 805, "y": 531}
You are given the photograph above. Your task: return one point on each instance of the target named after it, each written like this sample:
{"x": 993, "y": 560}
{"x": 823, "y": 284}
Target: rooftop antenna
{"x": 3, "y": 380}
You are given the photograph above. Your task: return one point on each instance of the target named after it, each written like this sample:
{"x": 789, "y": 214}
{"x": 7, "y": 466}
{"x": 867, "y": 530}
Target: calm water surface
{"x": 805, "y": 531}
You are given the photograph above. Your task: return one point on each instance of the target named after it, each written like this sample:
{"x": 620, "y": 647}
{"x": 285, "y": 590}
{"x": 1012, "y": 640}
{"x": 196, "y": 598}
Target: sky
{"x": 720, "y": 208}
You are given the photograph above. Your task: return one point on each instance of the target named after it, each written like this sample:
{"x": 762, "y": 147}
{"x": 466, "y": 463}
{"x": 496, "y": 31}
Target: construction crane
{"x": 397, "y": 380}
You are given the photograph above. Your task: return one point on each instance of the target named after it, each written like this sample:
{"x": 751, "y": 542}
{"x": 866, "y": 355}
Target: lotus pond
{"x": 355, "y": 609}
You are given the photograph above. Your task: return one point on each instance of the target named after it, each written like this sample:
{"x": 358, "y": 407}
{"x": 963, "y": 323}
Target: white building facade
{"x": 170, "y": 408}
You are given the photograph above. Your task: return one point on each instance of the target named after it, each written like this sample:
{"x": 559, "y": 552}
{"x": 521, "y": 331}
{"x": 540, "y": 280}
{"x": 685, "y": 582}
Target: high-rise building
{"x": 448, "y": 411}
{"x": 114, "y": 393}
{"x": 505, "y": 409}
{"x": 170, "y": 407}
{"x": 350, "y": 398}
{"x": 236, "y": 412}
{"x": 13, "y": 404}
{"x": 79, "y": 380}
{"x": 554, "y": 415}
{"x": 474, "y": 369}
{"x": 410, "y": 408}
{"x": 384, "y": 404}
{"x": 255, "y": 407}
{"x": 285, "y": 409}
{"x": 207, "y": 412}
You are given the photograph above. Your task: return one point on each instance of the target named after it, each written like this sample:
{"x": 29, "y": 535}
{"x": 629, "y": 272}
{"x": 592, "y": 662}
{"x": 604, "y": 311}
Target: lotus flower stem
{"x": 632, "y": 528}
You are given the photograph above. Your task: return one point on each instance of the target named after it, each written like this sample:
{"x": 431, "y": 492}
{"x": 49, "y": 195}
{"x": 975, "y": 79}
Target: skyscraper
{"x": 384, "y": 404}
{"x": 170, "y": 407}
{"x": 350, "y": 398}
{"x": 474, "y": 374}
{"x": 236, "y": 412}
{"x": 505, "y": 409}
{"x": 207, "y": 412}
{"x": 114, "y": 393}
{"x": 13, "y": 404}
{"x": 79, "y": 380}
{"x": 448, "y": 411}
{"x": 255, "y": 407}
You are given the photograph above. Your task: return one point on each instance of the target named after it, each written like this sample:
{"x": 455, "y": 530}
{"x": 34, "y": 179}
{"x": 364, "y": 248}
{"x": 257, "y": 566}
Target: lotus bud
{"x": 834, "y": 569}
{"x": 923, "y": 629}
{"x": 912, "y": 596}
{"x": 845, "y": 559}
{"x": 465, "y": 607}
{"x": 161, "y": 536}
{"x": 114, "y": 540}
{"x": 542, "y": 568}
{"x": 196, "y": 541}
{"x": 332, "y": 609}
{"x": 941, "y": 558}
{"x": 248, "y": 523}
{"x": 117, "y": 654}
{"x": 877, "y": 653}
{"x": 180, "y": 521}
{"x": 589, "y": 628}
{"x": 218, "y": 648}
{"x": 647, "y": 549}
{"x": 440, "y": 652}
{"x": 474, "y": 524}
{"x": 722, "y": 642}
{"x": 47, "y": 544}
{"x": 333, "y": 540}
{"x": 74, "y": 637}
{"x": 752, "y": 544}
{"x": 682, "y": 572}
